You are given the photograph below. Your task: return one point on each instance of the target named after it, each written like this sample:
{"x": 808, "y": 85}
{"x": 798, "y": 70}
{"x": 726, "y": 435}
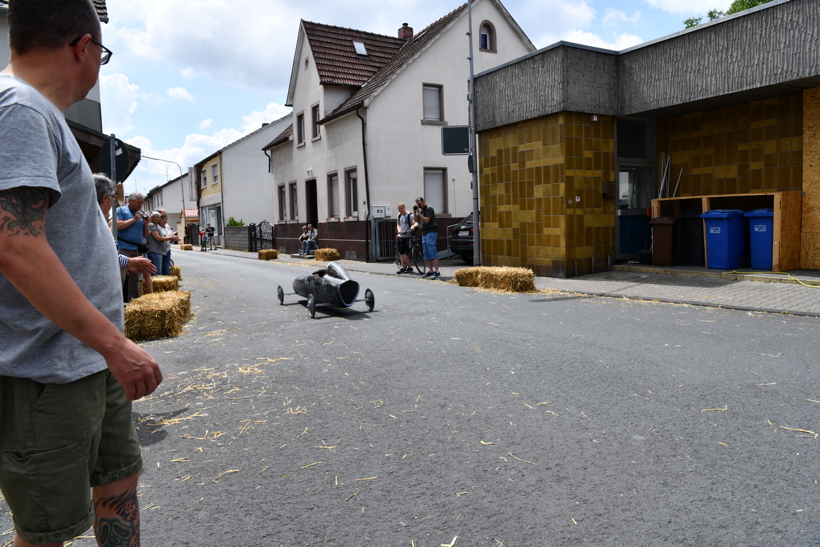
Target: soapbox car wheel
{"x": 311, "y": 305}
{"x": 369, "y": 300}
{"x": 280, "y": 294}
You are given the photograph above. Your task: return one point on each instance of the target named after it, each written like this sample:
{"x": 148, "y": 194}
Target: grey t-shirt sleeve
{"x": 30, "y": 149}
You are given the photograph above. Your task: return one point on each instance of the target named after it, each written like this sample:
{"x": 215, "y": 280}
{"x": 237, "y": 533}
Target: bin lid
{"x": 663, "y": 220}
{"x": 722, "y": 213}
{"x": 766, "y": 213}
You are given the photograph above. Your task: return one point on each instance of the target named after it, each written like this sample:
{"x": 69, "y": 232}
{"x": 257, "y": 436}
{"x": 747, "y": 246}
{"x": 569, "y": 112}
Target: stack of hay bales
{"x": 186, "y": 247}
{"x": 326, "y": 255}
{"x": 176, "y": 271}
{"x": 163, "y": 283}
{"x": 495, "y": 278}
{"x": 157, "y": 315}
{"x": 268, "y": 254}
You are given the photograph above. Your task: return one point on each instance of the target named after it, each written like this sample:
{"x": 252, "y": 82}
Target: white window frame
{"x": 214, "y": 173}
{"x": 333, "y": 195}
{"x": 352, "y": 193}
{"x": 427, "y": 91}
{"x": 438, "y": 208}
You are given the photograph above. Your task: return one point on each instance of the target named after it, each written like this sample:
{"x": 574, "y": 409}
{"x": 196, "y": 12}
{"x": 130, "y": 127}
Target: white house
{"x": 247, "y": 193}
{"x": 366, "y": 126}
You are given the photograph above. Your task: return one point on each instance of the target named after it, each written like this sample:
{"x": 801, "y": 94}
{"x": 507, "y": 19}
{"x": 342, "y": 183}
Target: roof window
{"x": 360, "y": 49}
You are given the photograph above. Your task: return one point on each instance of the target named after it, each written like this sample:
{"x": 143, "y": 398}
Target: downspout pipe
{"x": 366, "y": 181}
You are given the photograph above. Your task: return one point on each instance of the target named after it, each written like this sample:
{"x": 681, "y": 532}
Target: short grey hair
{"x": 104, "y": 186}
{"x": 135, "y": 195}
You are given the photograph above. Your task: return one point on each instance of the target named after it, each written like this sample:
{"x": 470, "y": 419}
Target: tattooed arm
{"x": 31, "y": 265}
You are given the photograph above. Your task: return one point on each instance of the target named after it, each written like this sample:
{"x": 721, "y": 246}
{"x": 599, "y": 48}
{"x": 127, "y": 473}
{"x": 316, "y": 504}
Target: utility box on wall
{"x": 610, "y": 189}
{"x": 379, "y": 211}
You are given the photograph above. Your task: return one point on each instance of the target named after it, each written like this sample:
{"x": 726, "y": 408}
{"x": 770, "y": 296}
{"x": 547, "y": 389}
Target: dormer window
{"x": 360, "y": 49}
{"x": 486, "y": 37}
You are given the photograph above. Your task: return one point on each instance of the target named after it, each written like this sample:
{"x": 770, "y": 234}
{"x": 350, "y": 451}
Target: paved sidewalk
{"x": 761, "y": 296}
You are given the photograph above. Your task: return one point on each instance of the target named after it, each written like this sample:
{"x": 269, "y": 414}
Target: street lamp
{"x": 181, "y": 186}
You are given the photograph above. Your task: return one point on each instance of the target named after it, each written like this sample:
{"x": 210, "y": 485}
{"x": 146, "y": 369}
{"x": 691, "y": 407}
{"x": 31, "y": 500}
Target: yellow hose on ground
{"x": 816, "y": 286}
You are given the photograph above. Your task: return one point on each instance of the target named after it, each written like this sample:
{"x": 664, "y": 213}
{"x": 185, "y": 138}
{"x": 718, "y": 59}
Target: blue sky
{"x": 191, "y": 76}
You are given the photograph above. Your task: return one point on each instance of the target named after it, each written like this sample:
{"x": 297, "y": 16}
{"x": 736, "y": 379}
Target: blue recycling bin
{"x": 725, "y": 238}
{"x": 761, "y": 237}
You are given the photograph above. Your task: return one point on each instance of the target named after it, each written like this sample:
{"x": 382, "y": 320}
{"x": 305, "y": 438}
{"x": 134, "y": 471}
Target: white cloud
{"x": 272, "y": 112}
{"x": 205, "y": 124}
{"x": 119, "y": 101}
{"x": 188, "y": 73}
{"x": 690, "y": 7}
{"x": 552, "y": 17}
{"x": 180, "y": 93}
{"x": 620, "y": 41}
{"x": 614, "y": 16}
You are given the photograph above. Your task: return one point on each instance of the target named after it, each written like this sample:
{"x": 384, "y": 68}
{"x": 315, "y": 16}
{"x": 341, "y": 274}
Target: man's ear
{"x": 80, "y": 48}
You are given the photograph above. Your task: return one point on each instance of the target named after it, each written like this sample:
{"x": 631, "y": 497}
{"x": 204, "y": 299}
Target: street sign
{"x": 120, "y": 156}
{"x": 455, "y": 140}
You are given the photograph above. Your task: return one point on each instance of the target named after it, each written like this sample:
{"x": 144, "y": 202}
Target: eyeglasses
{"x": 163, "y": 216}
{"x": 106, "y": 53}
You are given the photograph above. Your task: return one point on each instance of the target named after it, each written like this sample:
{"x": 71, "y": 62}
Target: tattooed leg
{"x": 117, "y": 513}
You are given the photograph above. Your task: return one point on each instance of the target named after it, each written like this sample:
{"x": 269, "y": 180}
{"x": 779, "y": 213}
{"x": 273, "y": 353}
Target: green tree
{"x": 737, "y": 5}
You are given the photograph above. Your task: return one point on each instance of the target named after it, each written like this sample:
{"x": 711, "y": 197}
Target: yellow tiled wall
{"x": 740, "y": 149}
{"x": 541, "y": 194}
{"x": 810, "y": 241}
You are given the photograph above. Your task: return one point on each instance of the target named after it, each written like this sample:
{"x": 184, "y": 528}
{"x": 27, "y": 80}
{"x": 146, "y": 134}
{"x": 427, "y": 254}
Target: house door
{"x": 636, "y": 186}
{"x": 635, "y": 164}
{"x": 312, "y": 203}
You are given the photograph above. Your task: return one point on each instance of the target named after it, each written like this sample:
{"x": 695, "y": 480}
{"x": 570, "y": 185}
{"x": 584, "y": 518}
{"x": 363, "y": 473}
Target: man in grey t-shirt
{"x": 66, "y": 370}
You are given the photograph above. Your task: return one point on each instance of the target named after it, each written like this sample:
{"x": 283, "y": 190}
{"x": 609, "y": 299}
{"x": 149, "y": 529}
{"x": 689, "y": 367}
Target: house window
{"x": 315, "y": 118}
{"x": 204, "y": 176}
{"x": 300, "y": 129}
{"x": 433, "y": 110}
{"x": 283, "y": 202}
{"x": 333, "y": 196}
{"x": 352, "y": 186}
{"x": 294, "y": 205}
{"x": 486, "y": 37}
{"x": 214, "y": 174}
{"x": 435, "y": 194}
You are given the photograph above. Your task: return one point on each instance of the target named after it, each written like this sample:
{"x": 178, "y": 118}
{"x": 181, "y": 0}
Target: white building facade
{"x": 358, "y": 147}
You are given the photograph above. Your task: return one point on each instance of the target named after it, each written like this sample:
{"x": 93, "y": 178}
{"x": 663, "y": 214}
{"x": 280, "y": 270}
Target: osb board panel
{"x": 810, "y": 251}
{"x": 790, "y": 231}
{"x": 811, "y": 160}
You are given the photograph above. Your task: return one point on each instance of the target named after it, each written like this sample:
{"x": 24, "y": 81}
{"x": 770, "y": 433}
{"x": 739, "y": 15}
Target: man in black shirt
{"x": 426, "y": 217}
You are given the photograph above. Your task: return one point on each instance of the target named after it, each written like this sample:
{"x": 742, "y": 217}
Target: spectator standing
{"x": 404, "y": 228}
{"x": 105, "y": 198}
{"x": 426, "y": 217}
{"x": 170, "y": 237}
{"x": 132, "y": 229}
{"x": 156, "y": 244}
{"x": 202, "y": 241}
{"x": 61, "y": 315}
{"x": 209, "y": 233}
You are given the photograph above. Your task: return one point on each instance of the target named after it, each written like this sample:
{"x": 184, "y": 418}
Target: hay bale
{"x": 326, "y": 255}
{"x": 186, "y": 247}
{"x": 497, "y": 278}
{"x": 162, "y": 283}
{"x": 157, "y": 315}
{"x": 176, "y": 271}
{"x": 268, "y": 254}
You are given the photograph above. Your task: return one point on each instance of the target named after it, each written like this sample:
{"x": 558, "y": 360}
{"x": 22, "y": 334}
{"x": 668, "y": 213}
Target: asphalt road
{"x": 514, "y": 420}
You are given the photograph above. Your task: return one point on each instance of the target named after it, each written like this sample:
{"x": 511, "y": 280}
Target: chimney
{"x": 405, "y": 32}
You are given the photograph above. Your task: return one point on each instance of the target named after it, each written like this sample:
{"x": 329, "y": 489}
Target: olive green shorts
{"x": 57, "y": 441}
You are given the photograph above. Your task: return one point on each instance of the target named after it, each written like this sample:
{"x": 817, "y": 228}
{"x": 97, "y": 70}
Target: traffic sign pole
{"x": 473, "y": 149}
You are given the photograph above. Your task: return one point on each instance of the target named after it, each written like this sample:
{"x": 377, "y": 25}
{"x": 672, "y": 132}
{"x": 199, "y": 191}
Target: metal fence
{"x": 261, "y": 236}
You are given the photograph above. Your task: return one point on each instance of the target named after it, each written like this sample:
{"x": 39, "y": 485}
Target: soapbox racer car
{"x": 330, "y": 286}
